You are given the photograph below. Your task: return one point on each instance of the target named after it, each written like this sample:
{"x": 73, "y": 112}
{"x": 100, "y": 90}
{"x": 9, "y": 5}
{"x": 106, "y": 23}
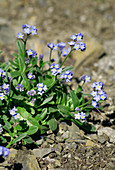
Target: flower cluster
{"x": 31, "y": 53}
{"x": 80, "y": 115}
{"x": 67, "y": 75}
{"x": 2, "y": 73}
{"x": 55, "y": 69}
{"x": 4, "y": 151}
{"x": 77, "y": 42}
{"x": 20, "y": 87}
{"x": 97, "y": 93}
{"x": 27, "y": 29}
{"x": 41, "y": 88}
{"x": 1, "y": 128}
{"x": 31, "y": 76}
{"x": 31, "y": 92}
{"x": 14, "y": 113}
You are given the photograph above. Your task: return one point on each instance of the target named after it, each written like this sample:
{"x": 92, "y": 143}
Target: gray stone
{"x": 58, "y": 148}
{"x": 7, "y": 35}
{"x": 39, "y": 153}
{"x": 74, "y": 131}
{"x": 103, "y": 138}
{"x": 109, "y": 132}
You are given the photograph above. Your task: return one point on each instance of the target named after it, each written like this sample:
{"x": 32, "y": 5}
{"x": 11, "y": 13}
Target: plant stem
{"x": 85, "y": 103}
{"x": 50, "y": 57}
{"x": 66, "y": 58}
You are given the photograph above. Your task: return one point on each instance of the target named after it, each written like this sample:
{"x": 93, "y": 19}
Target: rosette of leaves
{"x": 56, "y": 104}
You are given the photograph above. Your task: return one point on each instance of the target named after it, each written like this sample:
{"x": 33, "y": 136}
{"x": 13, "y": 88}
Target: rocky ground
{"x": 57, "y": 21}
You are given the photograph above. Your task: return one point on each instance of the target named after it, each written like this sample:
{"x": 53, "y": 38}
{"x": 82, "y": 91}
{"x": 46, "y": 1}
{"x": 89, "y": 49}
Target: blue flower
{"x": 98, "y": 86}
{"x": 29, "y": 52}
{"x": 93, "y": 93}
{"x": 16, "y": 116}
{"x": 51, "y": 45}
{"x": 25, "y": 26}
{"x": 31, "y": 76}
{"x": 33, "y": 30}
{"x": 61, "y": 45}
{"x": 97, "y": 98}
{"x": 76, "y": 47}
{"x": 82, "y": 46}
{"x": 27, "y": 31}
{"x": 2, "y": 73}
{"x": 103, "y": 96}
{"x": 94, "y": 85}
{"x": 6, "y": 86}
{"x": 101, "y": 92}
{"x": 79, "y": 37}
{"x": 64, "y": 52}
{"x": 71, "y": 43}
{"x": 94, "y": 104}
{"x": 4, "y": 151}
{"x": 13, "y": 111}
{"x": 77, "y": 115}
{"x": 2, "y": 96}
{"x": 82, "y": 115}
{"x": 74, "y": 37}
{"x": 20, "y": 35}
{"x": 87, "y": 78}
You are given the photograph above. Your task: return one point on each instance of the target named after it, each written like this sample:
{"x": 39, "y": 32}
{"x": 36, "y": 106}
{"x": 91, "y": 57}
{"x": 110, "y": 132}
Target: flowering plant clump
{"x": 33, "y": 99}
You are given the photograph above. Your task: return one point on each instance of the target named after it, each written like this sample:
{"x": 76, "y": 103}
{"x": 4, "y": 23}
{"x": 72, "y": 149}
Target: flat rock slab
{"x": 39, "y": 153}
{"x": 93, "y": 51}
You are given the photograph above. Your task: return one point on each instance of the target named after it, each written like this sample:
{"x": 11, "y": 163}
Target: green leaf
{"x": 1, "y": 103}
{"x": 75, "y": 99}
{"x": 52, "y": 124}
{"x": 18, "y": 97}
{"x": 15, "y": 74}
{"x": 27, "y": 139}
{"x": 3, "y": 139}
{"x": 68, "y": 68}
{"x": 79, "y": 89}
{"x": 27, "y": 116}
{"x": 48, "y": 80}
{"x": 25, "y": 81}
{"x": 21, "y": 136}
{"x": 64, "y": 110}
{"x": 21, "y": 49}
{"x": 46, "y": 100}
{"x": 32, "y": 130}
{"x": 52, "y": 109}
{"x": 13, "y": 63}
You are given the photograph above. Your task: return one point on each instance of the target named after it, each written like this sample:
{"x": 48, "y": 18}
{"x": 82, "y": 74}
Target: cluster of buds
{"x": 20, "y": 87}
